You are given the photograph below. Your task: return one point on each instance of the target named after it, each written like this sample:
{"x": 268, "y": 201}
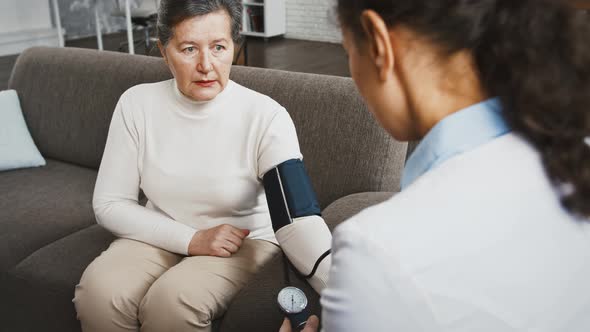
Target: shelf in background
{"x": 264, "y": 18}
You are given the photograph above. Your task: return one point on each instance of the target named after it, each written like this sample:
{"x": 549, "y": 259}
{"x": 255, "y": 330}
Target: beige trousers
{"x": 133, "y": 286}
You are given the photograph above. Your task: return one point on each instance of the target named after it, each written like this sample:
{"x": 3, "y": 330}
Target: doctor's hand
{"x": 220, "y": 241}
{"x": 312, "y": 325}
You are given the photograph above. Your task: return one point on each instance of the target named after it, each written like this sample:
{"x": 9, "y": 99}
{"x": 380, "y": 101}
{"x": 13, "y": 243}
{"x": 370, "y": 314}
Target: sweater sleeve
{"x": 115, "y": 200}
{"x": 279, "y": 143}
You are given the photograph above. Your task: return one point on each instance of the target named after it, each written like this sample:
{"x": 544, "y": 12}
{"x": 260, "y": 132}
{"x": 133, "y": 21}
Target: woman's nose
{"x": 204, "y": 65}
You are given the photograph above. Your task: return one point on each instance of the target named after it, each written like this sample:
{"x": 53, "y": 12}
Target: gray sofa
{"x": 48, "y": 233}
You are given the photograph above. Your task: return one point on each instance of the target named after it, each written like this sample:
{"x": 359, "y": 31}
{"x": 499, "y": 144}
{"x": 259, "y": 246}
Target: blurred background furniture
{"x": 264, "y": 18}
{"x": 144, "y": 17}
{"x": 141, "y": 17}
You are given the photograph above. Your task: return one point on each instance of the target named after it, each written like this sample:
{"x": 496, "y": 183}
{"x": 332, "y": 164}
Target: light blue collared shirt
{"x": 457, "y": 133}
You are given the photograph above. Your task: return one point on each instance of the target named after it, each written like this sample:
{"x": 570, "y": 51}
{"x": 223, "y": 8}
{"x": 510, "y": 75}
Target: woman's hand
{"x": 312, "y": 325}
{"x": 220, "y": 241}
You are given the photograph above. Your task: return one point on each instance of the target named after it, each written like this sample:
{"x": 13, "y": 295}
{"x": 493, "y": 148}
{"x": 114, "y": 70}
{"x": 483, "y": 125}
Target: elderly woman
{"x": 198, "y": 146}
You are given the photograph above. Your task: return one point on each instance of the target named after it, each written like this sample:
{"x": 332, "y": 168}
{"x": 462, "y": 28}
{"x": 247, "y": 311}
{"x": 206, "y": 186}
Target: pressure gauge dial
{"x": 292, "y": 300}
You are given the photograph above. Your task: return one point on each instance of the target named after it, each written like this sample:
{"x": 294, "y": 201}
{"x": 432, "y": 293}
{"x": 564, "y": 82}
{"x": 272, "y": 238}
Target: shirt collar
{"x": 457, "y": 133}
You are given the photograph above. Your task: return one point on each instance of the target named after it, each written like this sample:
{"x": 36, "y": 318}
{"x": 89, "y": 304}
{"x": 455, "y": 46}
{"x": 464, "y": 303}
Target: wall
{"x": 312, "y": 20}
{"x": 18, "y": 15}
{"x": 25, "y": 23}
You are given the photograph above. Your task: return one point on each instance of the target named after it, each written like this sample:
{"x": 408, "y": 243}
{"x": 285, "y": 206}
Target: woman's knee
{"x": 104, "y": 297}
{"x": 169, "y": 305}
{"x": 108, "y": 297}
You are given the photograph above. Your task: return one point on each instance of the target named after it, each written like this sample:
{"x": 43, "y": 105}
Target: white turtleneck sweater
{"x": 200, "y": 164}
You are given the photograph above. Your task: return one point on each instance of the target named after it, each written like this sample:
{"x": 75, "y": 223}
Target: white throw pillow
{"x": 17, "y": 149}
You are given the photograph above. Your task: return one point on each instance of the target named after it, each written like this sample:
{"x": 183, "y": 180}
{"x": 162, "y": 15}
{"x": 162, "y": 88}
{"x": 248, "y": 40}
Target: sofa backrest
{"x": 68, "y": 96}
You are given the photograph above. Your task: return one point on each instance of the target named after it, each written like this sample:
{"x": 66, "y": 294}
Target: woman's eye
{"x": 189, "y": 49}
{"x": 219, "y": 48}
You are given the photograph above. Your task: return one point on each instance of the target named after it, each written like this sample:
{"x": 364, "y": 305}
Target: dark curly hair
{"x": 533, "y": 54}
{"x": 172, "y": 12}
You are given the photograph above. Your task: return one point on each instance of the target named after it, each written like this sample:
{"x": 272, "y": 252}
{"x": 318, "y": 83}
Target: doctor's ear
{"x": 378, "y": 41}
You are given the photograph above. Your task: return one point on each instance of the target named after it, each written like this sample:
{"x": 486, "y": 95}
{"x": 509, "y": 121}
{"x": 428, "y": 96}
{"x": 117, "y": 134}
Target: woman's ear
{"x": 378, "y": 42}
{"x": 163, "y": 51}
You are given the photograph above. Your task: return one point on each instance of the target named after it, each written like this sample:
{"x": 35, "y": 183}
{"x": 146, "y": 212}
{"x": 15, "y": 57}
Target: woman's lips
{"x": 205, "y": 84}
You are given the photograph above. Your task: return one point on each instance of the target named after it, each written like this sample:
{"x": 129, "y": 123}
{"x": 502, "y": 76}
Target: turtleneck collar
{"x": 188, "y": 107}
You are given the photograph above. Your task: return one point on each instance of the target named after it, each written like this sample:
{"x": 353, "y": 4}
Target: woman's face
{"x": 200, "y": 54}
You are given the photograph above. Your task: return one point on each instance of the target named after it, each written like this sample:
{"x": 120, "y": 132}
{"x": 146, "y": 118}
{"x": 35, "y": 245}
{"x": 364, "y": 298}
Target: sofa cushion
{"x": 41, "y": 205}
{"x": 44, "y": 282}
{"x": 17, "y": 149}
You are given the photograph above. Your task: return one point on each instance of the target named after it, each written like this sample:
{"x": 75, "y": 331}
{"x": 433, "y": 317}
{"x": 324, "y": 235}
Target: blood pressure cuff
{"x": 289, "y": 193}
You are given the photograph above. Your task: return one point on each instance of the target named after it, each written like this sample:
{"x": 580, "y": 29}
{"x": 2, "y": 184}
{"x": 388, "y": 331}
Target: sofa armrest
{"x": 346, "y": 207}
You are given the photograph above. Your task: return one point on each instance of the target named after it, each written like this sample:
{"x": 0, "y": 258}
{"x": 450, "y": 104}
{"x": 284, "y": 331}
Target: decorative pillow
{"x": 17, "y": 149}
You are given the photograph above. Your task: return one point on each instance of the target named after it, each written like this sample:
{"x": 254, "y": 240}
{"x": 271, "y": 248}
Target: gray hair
{"x": 173, "y": 12}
